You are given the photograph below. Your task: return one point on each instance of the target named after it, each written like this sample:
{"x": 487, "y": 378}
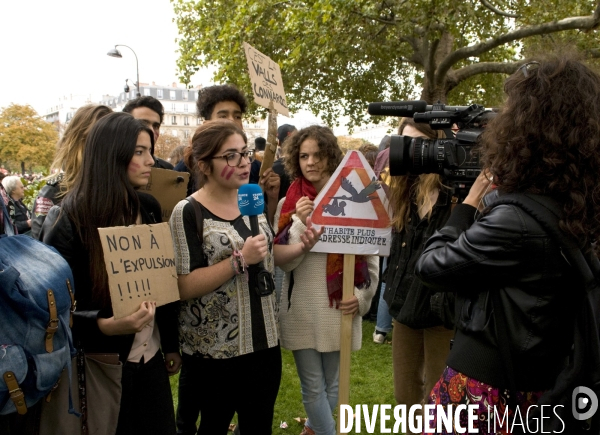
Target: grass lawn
{"x": 370, "y": 382}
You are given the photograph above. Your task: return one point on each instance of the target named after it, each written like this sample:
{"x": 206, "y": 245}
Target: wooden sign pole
{"x": 346, "y": 337}
{"x": 271, "y": 147}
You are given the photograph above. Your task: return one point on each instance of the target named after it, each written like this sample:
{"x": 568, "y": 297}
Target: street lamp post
{"x": 116, "y": 53}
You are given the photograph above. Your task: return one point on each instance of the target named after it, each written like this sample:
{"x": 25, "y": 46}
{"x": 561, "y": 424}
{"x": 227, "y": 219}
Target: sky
{"x": 53, "y": 49}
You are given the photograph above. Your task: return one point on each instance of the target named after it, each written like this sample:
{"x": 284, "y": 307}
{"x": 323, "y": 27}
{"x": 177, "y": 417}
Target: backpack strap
{"x": 199, "y": 216}
{"x": 16, "y": 394}
{"x": 73, "y": 303}
{"x": 52, "y": 326}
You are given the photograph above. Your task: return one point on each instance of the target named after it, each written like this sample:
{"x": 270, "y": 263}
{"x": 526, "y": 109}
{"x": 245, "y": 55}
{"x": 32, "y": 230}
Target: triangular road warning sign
{"x": 352, "y": 197}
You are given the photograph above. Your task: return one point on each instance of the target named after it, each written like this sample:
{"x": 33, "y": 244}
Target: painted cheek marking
{"x": 133, "y": 167}
{"x": 223, "y": 171}
{"x": 230, "y": 173}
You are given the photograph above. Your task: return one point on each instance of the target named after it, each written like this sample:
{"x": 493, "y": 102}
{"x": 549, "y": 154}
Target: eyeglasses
{"x": 233, "y": 160}
{"x": 527, "y": 67}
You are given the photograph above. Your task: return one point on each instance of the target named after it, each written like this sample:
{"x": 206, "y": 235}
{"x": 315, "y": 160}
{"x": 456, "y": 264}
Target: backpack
{"x": 580, "y": 378}
{"x": 36, "y": 304}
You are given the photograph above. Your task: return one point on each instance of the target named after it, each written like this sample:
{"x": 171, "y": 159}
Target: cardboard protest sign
{"x": 354, "y": 210}
{"x": 168, "y": 187}
{"x": 140, "y": 263}
{"x": 265, "y": 76}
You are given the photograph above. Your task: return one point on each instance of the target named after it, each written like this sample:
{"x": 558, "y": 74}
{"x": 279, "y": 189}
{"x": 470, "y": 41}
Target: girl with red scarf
{"x": 311, "y": 308}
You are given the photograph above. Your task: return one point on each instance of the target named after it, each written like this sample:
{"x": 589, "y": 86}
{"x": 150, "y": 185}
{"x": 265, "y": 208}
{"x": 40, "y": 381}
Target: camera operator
{"x": 421, "y": 205}
{"x": 545, "y": 141}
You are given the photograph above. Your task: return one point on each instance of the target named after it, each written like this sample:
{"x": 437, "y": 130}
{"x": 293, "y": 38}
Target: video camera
{"x": 454, "y": 156}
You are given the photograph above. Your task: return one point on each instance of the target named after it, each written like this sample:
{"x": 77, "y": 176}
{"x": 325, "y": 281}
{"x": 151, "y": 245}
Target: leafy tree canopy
{"x": 338, "y": 55}
{"x": 26, "y": 137}
{"x": 165, "y": 144}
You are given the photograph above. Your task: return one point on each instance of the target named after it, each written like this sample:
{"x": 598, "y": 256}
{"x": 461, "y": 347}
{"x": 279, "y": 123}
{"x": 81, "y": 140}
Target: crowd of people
{"x": 225, "y": 335}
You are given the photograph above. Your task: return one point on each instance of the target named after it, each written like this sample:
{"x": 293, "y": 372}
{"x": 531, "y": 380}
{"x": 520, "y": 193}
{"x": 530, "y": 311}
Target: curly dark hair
{"x": 328, "y": 146}
{"x": 546, "y": 139}
{"x": 208, "y": 97}
{"x": 146, "y": 101}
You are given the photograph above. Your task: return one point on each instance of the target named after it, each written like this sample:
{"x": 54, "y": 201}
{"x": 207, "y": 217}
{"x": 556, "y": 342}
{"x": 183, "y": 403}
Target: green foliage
{"x": 31, "y": 191}
{"x": 338, "y": 55}
{"x": 25, "y": 137}
{"x": 370, "y": 382}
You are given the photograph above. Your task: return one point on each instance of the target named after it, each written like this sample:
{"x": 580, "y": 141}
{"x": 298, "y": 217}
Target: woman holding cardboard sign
{"x": 116, "y": 161}
{"x": 311, "y": 307}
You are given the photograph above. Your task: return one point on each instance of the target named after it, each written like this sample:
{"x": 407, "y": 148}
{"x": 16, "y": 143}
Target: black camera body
{"x": 455, "y": 157}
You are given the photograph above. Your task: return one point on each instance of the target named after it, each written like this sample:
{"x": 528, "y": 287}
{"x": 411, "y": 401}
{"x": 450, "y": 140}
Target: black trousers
{"x": 218, "y": 388}
{"x": 146, "y": 399}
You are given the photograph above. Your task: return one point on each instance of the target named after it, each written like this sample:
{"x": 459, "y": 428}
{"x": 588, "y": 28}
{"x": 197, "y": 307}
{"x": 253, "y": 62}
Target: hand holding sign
{"x": 270, "y": 182}
{"x": 141, "y": 267}
{"x": 131, "y": 324}
{"x": 304, "y": 207}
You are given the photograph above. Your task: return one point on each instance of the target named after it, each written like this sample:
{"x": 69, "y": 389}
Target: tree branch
{"x": 485, "y": 67}
{"x": 430, "y": 67}
{"x": 378, "y": 19}
{"x": 571, "y": 23}
{"x": 593, "y": 52}
{"x": 495, "y": 10}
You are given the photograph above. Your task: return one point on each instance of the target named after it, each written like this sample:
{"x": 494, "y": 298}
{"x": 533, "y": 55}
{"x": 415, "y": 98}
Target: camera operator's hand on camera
{"x": 255, "y": 249}
{"x": 479, "y": 189}
{"x": 304, "y": 207}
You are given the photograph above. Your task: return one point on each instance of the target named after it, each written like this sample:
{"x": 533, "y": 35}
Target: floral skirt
{"x": 454, "y": 388}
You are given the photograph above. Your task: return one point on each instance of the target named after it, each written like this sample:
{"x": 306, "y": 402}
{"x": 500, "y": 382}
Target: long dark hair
{"x": 546, "y": 139}
{"x": 102, "y": 195}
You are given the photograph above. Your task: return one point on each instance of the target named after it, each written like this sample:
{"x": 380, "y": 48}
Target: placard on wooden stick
{"x": 265, "y": 76}
{"x": 354, "y": 210}
{"x": 140, "y": 262}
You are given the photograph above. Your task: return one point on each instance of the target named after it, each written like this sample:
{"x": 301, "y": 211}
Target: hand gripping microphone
{"x": 251, "y": 202}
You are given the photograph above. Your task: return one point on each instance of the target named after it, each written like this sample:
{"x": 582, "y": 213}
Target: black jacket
{"x": 505, "y": 251}
{"x": 408, "y": 300}
{"x": 59, "y": 232}
{"x": 19, "y": 214}
{"x": 47, "y": 197}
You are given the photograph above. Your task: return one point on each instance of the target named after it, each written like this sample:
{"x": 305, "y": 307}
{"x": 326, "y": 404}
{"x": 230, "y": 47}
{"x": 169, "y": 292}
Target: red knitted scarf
{"x": 335, "y": 262}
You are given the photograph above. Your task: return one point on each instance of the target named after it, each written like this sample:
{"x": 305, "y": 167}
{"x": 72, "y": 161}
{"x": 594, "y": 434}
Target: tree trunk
{"x": 433, "y": 95}
{"x": 22, "y": 168}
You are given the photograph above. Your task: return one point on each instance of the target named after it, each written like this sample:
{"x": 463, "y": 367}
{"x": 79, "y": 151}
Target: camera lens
{"x": 414, "y": 155}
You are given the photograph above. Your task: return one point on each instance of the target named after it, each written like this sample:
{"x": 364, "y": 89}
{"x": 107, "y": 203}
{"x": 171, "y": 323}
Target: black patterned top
{"x": 233, "y": 319}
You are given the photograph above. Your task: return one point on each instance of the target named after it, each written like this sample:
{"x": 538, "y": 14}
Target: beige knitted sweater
{"x": 307, "y": 321}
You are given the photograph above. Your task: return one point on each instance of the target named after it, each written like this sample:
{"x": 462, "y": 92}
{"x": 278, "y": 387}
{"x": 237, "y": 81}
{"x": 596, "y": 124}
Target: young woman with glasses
{"x": 228, "y": 331}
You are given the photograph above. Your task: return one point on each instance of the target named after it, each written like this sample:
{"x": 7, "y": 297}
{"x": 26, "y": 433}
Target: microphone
{"x": 251, "y": 203}
{"x": 398, "y": 108}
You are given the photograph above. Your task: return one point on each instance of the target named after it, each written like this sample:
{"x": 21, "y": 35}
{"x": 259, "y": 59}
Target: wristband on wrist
{"x": 241, "y": 265}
